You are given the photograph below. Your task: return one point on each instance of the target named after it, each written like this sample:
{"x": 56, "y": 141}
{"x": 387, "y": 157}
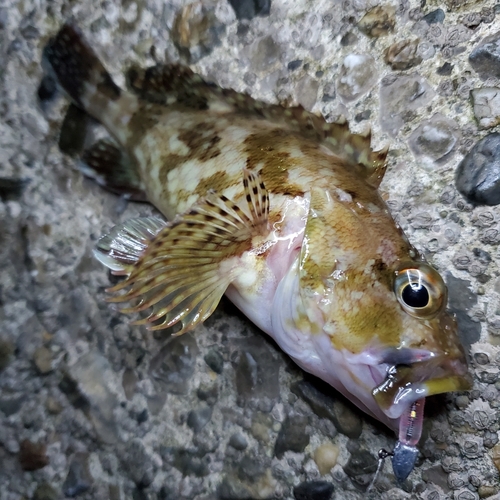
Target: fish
{"x": 280, "y": 211}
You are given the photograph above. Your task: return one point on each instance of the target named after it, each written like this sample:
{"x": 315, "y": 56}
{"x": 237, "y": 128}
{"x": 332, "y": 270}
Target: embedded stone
{"x": 400, "y": 96}
{"x": 197, "y": 419}
{"x": 313, "y": 490}
{"x": 326, "y": 456}
{"x": 485, "y": 58}
{"x": 486, "y": 106}
{"x": 434, "y": 138}
{"x": 403, "y": 55}
{"x": 248, "y": 9}
{"x": 32, "y": 456}
{"x": 292, "y": 436}
{"x": 478, "y": 175}
{"x": 356, "y": 76}
{"x": 378, "y": 21}
{"x": 436, "y": 16}
{"x": 78, "y": 480}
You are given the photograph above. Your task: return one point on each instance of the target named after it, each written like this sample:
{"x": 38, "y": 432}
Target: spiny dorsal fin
{"x": 184, "y": 269}
{"x": 173, "y": 83}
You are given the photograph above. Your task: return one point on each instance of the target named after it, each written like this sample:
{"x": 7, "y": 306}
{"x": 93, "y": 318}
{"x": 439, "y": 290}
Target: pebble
{"x": 477, "y": 177}
{"x": 45, "y": 491}
{"x": 326, "y": 456}
{"x": 485, "y": 491}
{"x": 199, "y": 418}
{"x": 238, "y": 441}
{"x": 313, "y": 490}
{"x": 248, "y": 9}
{"x": 173, "y": 367}
{"x": 73, "y": 131}
{"x": 43, "y": 360}
{"x": 78, "y": 480}
{"x": 436, "y": 475}
{"x": 434, "y": 138}
{"x": 356, "y": 76}
{"x": 461, "y": 300}
{"x": 32, "y": 456}
{"x": 486, "y": 106}
{"x": 292, "y": 436}
{"x": 436, "y": 16}
{"x": 403, "y": 55}
{"x": 256, "y": 373}
{"x": 400, "y": 95}
{"x": 378, "y": 21}
{"x": 485, "y": 58}
{"x": 213, "y": 358}
{"x": 360, "y": 467}
{"x": 196, "y": 31}
{"x": 6, "y": 351}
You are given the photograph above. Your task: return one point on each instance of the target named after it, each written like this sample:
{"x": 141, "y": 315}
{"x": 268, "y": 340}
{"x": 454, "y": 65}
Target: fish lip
{"x": 405, "y": 384}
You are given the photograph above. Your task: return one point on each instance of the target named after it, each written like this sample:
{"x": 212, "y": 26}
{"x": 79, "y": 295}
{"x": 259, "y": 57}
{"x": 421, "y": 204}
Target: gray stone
{"x": 248, "y": 9}
{"x": 173, "y": 367}
{"x": 485, "y": 58}
{"x": 313, "y": 490}
{"x": 78, "y": 480}
{"x": 238, "y": 441}
{"x": 43, "y": 360}
{"x": 486, "y": 106}
{"x": 460, "y": 300}
{"x": 213, "y": 358}
{"x": 356, "y": 76}
{"x": 256, "y": 373}
{"x": 197, "y": 419}
{"x": 435, "y": 138}
{"x": 360, "y": 467}
{"x": 45, "y": 491}
{"x": 400, "y": 95}
{"x": 292, "y": 436}
{"x": 436, "y": 16}
{"x": 478, "y": 175}
{"x": 138, "y": 463}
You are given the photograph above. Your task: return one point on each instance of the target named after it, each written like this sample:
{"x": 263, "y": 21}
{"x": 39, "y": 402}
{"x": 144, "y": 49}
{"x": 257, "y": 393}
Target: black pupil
{"x": 415, "y": 295}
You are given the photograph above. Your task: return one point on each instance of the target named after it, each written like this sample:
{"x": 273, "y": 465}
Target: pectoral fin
{"x": 182, "y": 270}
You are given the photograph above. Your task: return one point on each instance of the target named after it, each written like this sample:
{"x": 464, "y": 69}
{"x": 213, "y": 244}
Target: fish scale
{"x": 279, "y": 210}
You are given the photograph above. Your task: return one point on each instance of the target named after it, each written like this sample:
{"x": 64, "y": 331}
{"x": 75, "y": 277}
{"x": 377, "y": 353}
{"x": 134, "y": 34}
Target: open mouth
{"x": 406, "y": 384}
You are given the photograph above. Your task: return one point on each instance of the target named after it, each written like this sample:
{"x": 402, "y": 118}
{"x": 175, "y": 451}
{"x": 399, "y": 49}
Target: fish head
{"x": 376, "y": 312}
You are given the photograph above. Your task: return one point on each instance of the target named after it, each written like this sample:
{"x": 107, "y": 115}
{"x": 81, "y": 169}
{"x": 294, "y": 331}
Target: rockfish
{"x": 280, "y": 211}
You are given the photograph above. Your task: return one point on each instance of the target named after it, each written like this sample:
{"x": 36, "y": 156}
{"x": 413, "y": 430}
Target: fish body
{"x": 279, "y": 210}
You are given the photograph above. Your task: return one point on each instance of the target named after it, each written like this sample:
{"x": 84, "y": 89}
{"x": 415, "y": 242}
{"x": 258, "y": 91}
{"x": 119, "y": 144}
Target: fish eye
{"x": 420, "y": 290}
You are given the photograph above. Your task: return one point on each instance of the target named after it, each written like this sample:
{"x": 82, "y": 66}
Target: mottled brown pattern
{"x": 202, "y": 142}
{"x": 268, "y": 149}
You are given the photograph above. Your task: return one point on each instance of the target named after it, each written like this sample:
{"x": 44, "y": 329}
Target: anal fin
{"x": 113, "y": 169}
{"x": 185, "y": 268}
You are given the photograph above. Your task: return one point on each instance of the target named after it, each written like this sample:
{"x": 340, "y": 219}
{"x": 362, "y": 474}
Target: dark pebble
{"x": 214, "y": 360}
{"x": 248, "y": 9}
{"x": 78, "y": 480}
{"x": 445, "y": 69}
{"x": 45, "y": 491}
{"x": 73, "y": 131}
{"x": 32, "y": 456}
{"x": 11, "y": 189}
{"x": 436, "y": 16}
{"x": 360, "y": 467}
{"x": 460, "y": 300}
{"x": 197, "y": 419}
{"x": 313, "y": 490}
{"x": 485, "y": 58}
{"x": 47, "y": 89}
{"x": 173, "y": 367}
{"x": 292, "y": 436}
{"x": 6, "y": 351}
{"x": 142, "y": 416}
{"x": 238, "y": 441}
{"x": 293, "y": 65}
{"x": 478, "y": 175}
{"x": 208, "y": 393}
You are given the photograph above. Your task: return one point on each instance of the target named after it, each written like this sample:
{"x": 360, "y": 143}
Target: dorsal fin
{"x": 173, "y": 83}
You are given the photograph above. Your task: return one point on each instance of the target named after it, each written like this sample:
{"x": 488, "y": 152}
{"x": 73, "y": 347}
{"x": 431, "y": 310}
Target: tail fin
{"x": 79, "y": 71}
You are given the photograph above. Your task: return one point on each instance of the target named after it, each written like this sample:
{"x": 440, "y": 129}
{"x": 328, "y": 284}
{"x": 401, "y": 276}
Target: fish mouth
{"x": 406, "y": 384}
